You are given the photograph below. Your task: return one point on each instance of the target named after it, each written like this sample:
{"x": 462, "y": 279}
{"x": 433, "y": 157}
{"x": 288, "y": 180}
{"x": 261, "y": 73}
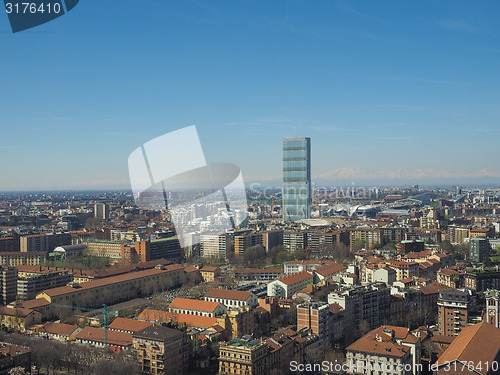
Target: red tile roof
{"x": 228, "y": 294}
{"x": 97, "y": 334}
{"x": 124, "y": 324}
{"x": 382, "y": 341}
{"x": 15, "y": 311}
{"x": 111, "y": 280}
{"x": 34, "y": 303}
{"x": 194, "y": 304}
{"x": 330, "y": 269}
{"x": 476, "y": 344}
{"x": 187, "y": 319}
{"x": 296, "y": 277}
{"x": 433, "y": 288}
{"x": 59, "y": 328}
{"x": 258, "y": 270}
{"x": 208, "y": 269}
{"x": 448, "y": 272}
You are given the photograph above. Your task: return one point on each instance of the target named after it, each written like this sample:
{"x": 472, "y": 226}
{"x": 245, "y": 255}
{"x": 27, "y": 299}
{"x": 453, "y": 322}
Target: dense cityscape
{"x": 353, "y": 280}
{"x": 249, "y": 187}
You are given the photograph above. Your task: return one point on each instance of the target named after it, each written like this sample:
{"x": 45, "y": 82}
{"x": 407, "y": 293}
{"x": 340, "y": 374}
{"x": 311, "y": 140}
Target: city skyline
{"x": 390, "y": 93}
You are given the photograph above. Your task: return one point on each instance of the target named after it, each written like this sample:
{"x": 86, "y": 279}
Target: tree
{"x": 358, "y": 245}
{"x": 363, "y": 328}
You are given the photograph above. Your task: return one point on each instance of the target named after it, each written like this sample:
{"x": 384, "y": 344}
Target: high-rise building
{"x": 453, "y": 310}
{"x": 479, "y": 249}
{"x": 8, "y": 278}
{"x": 315, "y": 317}
{"x": 215, "y": 246}
{"x": 296, "y": 179}
{"x": 241, "y": 243}
{"x": 101, "y": 211}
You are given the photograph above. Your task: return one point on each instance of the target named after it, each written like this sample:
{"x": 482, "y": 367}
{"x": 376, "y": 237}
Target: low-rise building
{"x": 116, "y": 289}
{"x": 449, "y": 277}
{"x": 264, "y": 274}
{"x": 58, "y": 331}
{"x": 197, "y": 307}
{"x": 12, "y": 356}
{"x": 128, "y": 325}
{"x": 232, "y": 298}
{"x": 18, "y": 318}
{"x": 209, "y": 274}
{"x": 296, "y": 266}
{"x": 286, "y": 286}
{"x": 96, "y": 337}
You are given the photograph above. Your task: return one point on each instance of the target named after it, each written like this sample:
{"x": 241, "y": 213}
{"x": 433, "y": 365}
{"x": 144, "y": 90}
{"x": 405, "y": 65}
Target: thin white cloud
{"x": 457, "y": 26}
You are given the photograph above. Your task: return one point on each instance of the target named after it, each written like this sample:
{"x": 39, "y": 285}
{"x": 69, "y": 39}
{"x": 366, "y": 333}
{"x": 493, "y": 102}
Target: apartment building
{"x": 161, "y": 351}
{"x": 29, "y": 286}
{"x": 316, "y": 317}
{"x": 272, "y": 238}
{"x": 370, "y": 303}
{"x": 294, "y": 241}
{"x": 405, "y": 270}
{"x": 385, "y": 350}
{"x": 243, "y": 357}
{"x": 14, "y": 259}
{"x": 454, "y": 306}
{"x": 243, "y": 242}
{"x": 43, "y": 242}
{"x": 215, "y": 246}
{"x": 482, "y": 280}
{"x": 8, "y": 282}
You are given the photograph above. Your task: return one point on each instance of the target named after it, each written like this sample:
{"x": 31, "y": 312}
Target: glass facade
{"x": 296, "y": 179}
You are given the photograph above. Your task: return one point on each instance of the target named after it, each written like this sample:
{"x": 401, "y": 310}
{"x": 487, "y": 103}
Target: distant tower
{"x": 296, "y": 179}
{"x": 493, "y": 307}
{"x": 101, "y": 211}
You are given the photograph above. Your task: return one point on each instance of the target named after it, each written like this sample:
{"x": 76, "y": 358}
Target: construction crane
{"x": 104, "y": 311}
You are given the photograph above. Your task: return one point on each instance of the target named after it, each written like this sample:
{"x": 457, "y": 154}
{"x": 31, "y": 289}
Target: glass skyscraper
{"x": 296, "y": 179}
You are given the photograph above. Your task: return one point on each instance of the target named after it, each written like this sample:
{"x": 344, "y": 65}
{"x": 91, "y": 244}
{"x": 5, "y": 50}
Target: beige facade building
{"x": 243, "y": 357}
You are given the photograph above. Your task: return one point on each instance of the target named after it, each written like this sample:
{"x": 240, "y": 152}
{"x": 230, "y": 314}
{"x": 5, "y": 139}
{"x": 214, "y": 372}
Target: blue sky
{"x": 389, "y": 92}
